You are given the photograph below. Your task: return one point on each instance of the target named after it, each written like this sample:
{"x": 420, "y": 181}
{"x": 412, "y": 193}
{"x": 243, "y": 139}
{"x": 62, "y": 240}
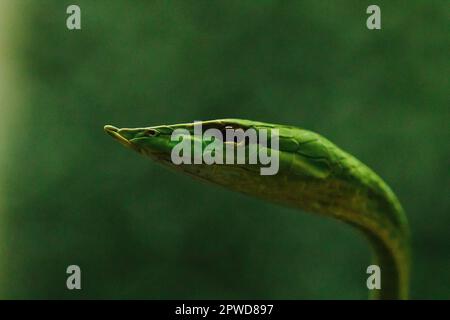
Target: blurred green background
{"x": 69, "y": 194}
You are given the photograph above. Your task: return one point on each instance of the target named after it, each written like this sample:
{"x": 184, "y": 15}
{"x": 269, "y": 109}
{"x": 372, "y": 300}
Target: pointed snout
{"x": 109, "y": 129}
{"x": 115, "y": 133}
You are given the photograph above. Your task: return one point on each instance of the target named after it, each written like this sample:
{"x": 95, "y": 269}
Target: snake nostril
{"x": 151, "y": 132}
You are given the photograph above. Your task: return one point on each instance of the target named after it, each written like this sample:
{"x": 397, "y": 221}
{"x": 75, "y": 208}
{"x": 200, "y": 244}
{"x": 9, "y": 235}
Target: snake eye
{"x": 151, "y": 133}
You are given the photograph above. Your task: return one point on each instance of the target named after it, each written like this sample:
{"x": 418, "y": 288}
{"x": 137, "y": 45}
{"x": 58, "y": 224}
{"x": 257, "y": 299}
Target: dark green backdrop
{"x": 74, "y": 196}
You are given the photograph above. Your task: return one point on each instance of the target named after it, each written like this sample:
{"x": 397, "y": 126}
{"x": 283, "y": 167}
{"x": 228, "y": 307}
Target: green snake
{"x": 314, "y": 175}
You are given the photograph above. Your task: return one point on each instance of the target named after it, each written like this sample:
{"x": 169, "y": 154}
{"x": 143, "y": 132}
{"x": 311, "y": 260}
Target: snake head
{"x": 206, "y": 146}
{"x": 258, "y": 151}
{"x": 151, "y": 141}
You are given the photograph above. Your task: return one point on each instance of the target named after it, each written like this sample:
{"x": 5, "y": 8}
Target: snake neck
{"x": 371, "y": 207}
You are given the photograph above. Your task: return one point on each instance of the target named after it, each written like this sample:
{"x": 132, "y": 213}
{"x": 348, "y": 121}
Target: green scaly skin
{"x": 314, "y": 175}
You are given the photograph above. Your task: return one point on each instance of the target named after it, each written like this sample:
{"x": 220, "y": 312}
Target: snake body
{"x": 314, "y": 175}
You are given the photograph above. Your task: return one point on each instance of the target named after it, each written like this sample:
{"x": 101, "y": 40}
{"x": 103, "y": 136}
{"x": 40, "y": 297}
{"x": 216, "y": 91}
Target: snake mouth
{"x": 114, "y": 132}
